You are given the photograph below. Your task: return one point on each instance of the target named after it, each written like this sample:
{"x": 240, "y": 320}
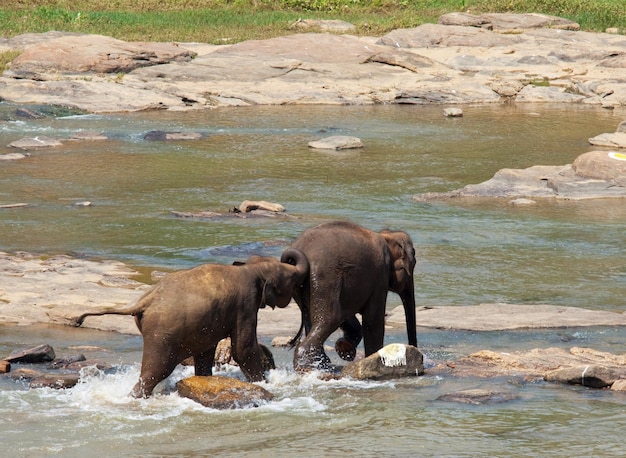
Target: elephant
{"x": 351, "y": 271}
{"x": 189, "y": 311}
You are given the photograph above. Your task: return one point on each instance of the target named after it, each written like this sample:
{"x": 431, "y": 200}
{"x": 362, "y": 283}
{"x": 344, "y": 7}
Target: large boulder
{"x": 594, "y": 376}
{"x": 391, "y": 361}
{"x": 602, "y": 165}
{"x": 223, "y": 392}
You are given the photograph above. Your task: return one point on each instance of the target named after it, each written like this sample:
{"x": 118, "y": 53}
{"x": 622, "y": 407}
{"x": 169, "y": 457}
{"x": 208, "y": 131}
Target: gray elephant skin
{"x": 351, "y": 271}
{"x": 189, "y": 311}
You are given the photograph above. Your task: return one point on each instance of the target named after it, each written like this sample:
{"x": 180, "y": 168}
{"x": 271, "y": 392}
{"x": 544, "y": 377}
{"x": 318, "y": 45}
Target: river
{"x": 470, "y": 252}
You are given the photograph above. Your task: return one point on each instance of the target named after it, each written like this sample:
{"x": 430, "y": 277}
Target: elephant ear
{"x": 402, "y": 256}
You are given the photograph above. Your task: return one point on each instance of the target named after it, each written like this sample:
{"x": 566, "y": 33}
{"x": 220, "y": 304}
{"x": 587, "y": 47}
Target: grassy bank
{"x": 228, "y": 21}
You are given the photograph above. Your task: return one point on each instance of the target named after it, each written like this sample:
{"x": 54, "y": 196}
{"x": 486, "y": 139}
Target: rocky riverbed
{"x": 463, "y": 59}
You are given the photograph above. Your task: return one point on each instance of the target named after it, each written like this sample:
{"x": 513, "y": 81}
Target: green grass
{"x": 220, "y": 21}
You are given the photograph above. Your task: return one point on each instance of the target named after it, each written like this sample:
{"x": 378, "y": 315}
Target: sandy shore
{"x": 39, "y": 289}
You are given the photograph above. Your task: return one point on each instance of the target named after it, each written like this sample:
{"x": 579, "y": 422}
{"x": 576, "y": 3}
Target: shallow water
{"x": 557, "y": 252}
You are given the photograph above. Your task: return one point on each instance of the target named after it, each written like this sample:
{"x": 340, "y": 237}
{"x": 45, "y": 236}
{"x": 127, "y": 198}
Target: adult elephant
{"x": 351, "y": 271}
{"x": 188, "y": 312}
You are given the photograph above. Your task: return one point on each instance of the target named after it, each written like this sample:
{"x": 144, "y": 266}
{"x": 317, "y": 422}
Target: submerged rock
{"x": 337, "y": 142}
{"x": 223, "y": 392}
{"x": 453, "y": 112}
{"x": 41, "y": 141}
{"x": 478, "y": 397}
{"x": 159, "y": 135}
{"x": 391, "y": 361}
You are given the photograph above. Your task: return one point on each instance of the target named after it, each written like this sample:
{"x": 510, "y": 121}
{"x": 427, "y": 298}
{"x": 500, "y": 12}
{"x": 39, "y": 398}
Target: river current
{"x": 469, "y": 252}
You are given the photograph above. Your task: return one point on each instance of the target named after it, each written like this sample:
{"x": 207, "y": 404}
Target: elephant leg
{"x": 352, "y": 334}
{"x": 203, "y": 362}
{"x": 248, "y": 354}
{"x": 157, "y": 364}
{"x": 309, "y": 354}
{"x": 374, "y": 325}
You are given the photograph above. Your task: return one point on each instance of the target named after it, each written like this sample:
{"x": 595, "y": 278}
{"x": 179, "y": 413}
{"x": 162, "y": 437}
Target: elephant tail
{"x": 138, "y": 309}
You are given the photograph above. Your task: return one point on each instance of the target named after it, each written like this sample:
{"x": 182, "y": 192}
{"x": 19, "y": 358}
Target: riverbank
{"x": 464, "y": 59}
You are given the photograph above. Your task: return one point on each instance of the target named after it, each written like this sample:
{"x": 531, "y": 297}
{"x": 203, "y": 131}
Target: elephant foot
{"x": 345, "y": 349}
{"x": 304, "y": 361}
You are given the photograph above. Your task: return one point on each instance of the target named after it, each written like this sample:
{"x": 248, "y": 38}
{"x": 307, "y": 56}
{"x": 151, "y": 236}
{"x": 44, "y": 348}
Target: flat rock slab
{"x": 579, "y": 366}
{"x": 597, "y": 174}
{"x": 38, "y": 142}
{"x": 93, "y": 54}
{"x": 610, "y": 140}
{"x": 473, "y": 59}
{"x": 491, "y": 317}
{"x": 337, "y": 142}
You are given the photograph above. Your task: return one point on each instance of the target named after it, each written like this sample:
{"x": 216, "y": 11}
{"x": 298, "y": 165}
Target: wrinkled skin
{"x": 351, "y": 271}
{"x": 188, "y": 312}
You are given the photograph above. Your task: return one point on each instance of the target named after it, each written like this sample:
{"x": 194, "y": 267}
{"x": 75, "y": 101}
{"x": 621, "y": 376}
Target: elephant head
{"x": 279, "y": 284}
{"x": 401, "y": 276}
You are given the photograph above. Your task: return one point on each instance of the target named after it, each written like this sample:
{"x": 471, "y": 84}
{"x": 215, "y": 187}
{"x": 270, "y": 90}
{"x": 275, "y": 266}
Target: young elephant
{"x": 351, "y": 271}
{"x": 188, "y": 312}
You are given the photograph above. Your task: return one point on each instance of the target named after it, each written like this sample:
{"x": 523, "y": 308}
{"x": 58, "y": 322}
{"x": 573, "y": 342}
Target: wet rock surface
{"x": 391, "y": 361}
{"x": 462, "y": 59}
{"x": 222, "y": 393}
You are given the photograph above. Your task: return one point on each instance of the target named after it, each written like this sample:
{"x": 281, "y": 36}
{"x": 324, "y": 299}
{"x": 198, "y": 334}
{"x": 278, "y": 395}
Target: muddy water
{"x": 557, "y": 252}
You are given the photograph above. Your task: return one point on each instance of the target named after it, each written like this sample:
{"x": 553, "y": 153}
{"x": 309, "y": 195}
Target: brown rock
{"x": 54, "y": 381}
{"x": 223, "y": 392}
{"x": 78, "y": 365}
{"x": 553, "y": 364}
{"x": 39, "y": 354}
{"x": 5, "y": 367}
{"x": 223, "y": 355}
{"x": 619, "y": 385}
{"x": 594, "y": 376}
{"x": 93, "y": 53}
{"x": 281, "y": 341}
{"x": 601, "y": 165}
{"x": 392, "y": 361}
{"x": 24, "y": 374}
{"x": 249, "y": 205}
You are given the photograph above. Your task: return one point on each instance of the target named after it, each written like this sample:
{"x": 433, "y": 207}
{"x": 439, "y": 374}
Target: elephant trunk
{"x": 408, "y": 301}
